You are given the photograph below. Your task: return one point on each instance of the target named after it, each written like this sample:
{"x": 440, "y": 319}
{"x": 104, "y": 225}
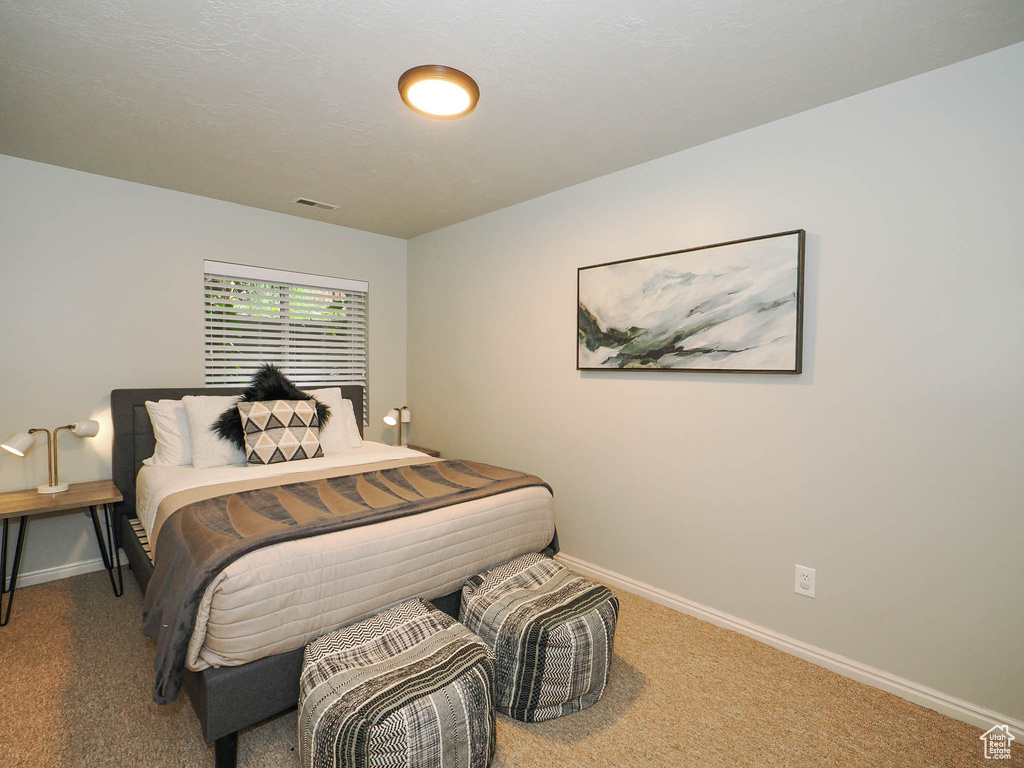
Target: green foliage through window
{"x": 317, "y": 334}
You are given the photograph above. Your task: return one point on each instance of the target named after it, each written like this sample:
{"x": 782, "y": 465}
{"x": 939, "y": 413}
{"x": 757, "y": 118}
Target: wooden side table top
{"x": 32, "y": 502}
{"x": 428, "y": 451}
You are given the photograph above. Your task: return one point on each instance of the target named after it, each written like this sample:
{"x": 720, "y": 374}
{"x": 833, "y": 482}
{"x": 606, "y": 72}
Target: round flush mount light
{"x": 438, "y": 91}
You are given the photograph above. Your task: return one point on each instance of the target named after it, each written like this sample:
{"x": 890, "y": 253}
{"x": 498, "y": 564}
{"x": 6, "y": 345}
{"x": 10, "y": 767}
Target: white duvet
{"x": 281, "y": 597}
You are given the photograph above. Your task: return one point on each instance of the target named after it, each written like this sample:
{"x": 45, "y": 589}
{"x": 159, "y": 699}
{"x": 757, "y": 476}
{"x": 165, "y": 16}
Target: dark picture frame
{"x": 733, "y": 307}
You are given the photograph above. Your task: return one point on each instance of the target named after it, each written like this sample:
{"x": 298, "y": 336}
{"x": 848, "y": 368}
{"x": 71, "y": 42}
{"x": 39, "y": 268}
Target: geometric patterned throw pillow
{"x": 280, "y": 430}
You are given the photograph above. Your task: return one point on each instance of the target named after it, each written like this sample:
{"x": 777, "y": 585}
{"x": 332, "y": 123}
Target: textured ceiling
{"x": 262, "y": 101}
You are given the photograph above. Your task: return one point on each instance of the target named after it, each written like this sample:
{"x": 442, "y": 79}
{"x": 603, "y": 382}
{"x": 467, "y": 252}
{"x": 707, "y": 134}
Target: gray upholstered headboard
{"x": 133, "y": 432}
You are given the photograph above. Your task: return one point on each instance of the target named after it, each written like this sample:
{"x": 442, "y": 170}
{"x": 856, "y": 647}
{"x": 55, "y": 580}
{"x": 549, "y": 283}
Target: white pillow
{"x": 342, "y": 432}
{"x": 170, "y": 428}
{"x": 208, "y": 450}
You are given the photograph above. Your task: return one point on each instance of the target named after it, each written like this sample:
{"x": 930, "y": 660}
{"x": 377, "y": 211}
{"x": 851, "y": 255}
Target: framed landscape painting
{"x": 733, "y": 307}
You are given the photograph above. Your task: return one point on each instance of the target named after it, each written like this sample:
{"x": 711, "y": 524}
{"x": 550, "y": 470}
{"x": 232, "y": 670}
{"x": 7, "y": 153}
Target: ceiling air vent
{"x": 315, "y": 204}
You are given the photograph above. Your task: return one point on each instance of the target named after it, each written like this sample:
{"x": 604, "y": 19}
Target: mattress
{"x": 281, "y": 597}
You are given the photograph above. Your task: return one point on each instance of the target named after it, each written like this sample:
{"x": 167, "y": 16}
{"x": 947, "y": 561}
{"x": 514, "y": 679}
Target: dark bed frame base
{"x": 225, "y": 699}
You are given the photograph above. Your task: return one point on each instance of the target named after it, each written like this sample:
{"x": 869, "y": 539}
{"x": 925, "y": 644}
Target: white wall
{"x": 101, "y": 288}
{"x": 893, "y": 465}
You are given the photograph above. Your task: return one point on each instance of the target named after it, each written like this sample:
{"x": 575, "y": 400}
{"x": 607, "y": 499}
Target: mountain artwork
{"x": 735, "y": 307}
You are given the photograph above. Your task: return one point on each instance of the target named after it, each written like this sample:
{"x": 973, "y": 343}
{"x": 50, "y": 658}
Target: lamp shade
{"x": 87, "y": 428}
{"x": 406, "y": 415}
{"x": 391, "y": 418}
{"x": 19, "y": 444}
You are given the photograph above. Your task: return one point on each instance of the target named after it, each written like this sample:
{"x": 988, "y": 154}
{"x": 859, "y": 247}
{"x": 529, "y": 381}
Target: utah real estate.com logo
{"x": 997, "y": 742}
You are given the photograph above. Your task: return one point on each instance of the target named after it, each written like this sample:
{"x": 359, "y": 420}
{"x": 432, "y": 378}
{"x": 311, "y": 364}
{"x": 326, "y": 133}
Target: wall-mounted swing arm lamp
{"x": 22, "y": 442}
{"x": 396, "y": 417}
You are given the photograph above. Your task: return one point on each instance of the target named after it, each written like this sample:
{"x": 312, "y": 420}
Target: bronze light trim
{"x": 415, "y": 75}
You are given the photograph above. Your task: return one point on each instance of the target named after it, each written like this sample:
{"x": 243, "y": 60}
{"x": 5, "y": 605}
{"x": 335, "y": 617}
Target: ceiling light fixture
{"x": 437, "y": 91}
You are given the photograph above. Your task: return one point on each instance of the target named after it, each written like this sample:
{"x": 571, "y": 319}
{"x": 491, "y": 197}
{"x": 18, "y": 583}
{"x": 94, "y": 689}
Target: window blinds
{"x": 314, "y": 328}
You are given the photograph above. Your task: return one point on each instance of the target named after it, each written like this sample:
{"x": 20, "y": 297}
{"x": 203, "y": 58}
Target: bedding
{"x": 341, "y": 433}
{"x": 268, "y": 383}
{"x": 170, "y": 429}
{"x": 154, "y": 484}
{"x": 218, "y": 525}
{"x": 280, "y": 431}
{"x": 280, "y": 598}
{"x": 170, "y": 422}
{"x": 208, "y": 450}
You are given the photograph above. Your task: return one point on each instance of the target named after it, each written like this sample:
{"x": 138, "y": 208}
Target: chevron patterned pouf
{"x": 551, "y": 631}
{"x": 410, "y": 687}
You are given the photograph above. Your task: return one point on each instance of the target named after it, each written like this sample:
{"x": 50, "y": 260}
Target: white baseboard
{"x": 43, "y": 575}
{"x": 877, "y": 678}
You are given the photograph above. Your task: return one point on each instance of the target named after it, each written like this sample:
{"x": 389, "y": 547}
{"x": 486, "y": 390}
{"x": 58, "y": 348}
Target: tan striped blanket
{"x": 198, "y": 540}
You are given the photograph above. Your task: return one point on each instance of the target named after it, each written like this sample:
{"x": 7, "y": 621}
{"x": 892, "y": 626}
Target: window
{"x": 314, "y": 328}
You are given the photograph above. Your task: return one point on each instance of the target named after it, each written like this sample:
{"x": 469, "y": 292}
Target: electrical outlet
{"x": 804, "y": 581}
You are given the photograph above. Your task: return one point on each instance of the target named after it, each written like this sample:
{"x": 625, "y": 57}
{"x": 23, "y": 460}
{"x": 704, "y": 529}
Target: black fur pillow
{"x": 268, "y": 383}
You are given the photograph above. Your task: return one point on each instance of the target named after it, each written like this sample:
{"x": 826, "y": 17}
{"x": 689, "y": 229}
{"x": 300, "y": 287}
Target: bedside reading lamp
{"x": 398, "y": 416}
{"x": 21, "y": 443}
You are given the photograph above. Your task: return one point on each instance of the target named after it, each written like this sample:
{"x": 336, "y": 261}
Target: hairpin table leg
{"x": 5, "y": 588}
{"x": 109, "y": 551}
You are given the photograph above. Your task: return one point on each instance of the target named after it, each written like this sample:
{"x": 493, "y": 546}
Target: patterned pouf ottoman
{"x": 407, "y": 687}
{"x": 551, "y": 631}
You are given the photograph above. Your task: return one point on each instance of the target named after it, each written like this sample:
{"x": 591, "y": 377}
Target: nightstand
{"x": 428, "y": 451}
{"x": 28, "y": 503}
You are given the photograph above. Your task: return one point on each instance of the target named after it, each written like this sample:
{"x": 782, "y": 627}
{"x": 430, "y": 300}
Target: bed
{"x": 233, "y": 686}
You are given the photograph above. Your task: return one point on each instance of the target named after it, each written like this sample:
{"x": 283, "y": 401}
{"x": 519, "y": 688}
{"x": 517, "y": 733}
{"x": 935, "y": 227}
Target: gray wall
{"x": 893, "y": 465}
{"x": 101, "y": 288}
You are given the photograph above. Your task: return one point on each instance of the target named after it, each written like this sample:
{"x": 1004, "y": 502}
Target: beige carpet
{"x": 75, "y": 680}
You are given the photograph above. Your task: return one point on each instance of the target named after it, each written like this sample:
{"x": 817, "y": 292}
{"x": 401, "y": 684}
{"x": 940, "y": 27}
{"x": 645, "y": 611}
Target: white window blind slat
{"x": 231, "y": 292}
{"x": 258, "y": 353}
{"x": 246, "y": 272}
{"x": 313, "y": 328}
{"x": 243, "y": 319}
{"x": 271, "y": 303}
{"x": 252, "y": 341}
{"x": 300, "y": 381}
{"x": 226, "y": 367}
